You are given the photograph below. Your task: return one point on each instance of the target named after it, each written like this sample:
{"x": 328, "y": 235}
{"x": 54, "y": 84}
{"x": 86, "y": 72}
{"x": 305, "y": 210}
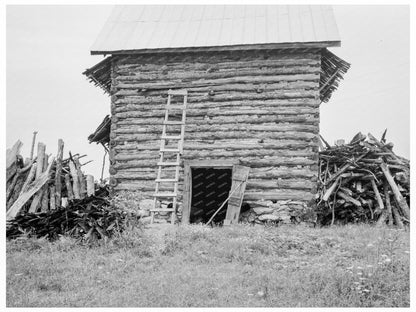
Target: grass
{"x": 195, "y": 266}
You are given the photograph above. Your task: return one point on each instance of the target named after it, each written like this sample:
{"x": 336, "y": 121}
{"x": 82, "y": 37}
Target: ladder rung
{"x": 165, "y": 195}
{"x": 175, "y": 107}
{"x": 173, "y": 122}
{"x": 171, "y": 137}
{"x": 175, "y": 150}
{"x": 178, "y": 92}
{"x": 166, "y": 180}
{"x": 168, "y": 163}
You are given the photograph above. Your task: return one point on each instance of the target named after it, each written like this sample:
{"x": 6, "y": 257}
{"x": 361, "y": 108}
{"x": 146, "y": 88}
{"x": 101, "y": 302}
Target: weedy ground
{"x": 196, "y": 266}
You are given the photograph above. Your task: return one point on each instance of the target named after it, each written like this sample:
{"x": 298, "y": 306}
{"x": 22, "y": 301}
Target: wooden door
{"x": 238, "y": 187}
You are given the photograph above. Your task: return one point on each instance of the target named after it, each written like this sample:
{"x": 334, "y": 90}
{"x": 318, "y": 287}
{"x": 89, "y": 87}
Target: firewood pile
{"x": 43, "y": 183}
{"x": 363, "y": 181}
{"x": 88, "y": 218}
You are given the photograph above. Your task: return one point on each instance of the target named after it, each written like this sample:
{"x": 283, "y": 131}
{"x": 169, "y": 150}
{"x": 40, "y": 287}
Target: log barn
{"x": 252, "y": 79}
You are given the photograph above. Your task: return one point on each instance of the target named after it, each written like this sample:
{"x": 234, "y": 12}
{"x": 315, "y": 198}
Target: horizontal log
{"x": 280, "y": 61}
{"x": 199, "y": 61}
{"x": 264, "y": 173}
{"x": 282, "y": 194}
{"x": 306, "y": 136}
{"x": 192, "y": 78}
{"x": 246, "y": 110}
{"x": 157, "y": 129}
{"x": 156, "y": 110}
{"x": 160, "y": 103}
{"x": 190, "y": 154}
{"x": 245, "y": 161}
{"x": 209, "y": 145}
{"x": 221, "y": 96}
{"x": 149, "y": 185}
{"x": 276, "y": 173}
{"x": 299, "y": 184}
{"x": 202, "y": 120}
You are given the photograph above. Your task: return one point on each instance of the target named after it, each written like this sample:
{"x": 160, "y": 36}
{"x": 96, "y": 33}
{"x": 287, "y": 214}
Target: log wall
{"x": 258, "y": 108}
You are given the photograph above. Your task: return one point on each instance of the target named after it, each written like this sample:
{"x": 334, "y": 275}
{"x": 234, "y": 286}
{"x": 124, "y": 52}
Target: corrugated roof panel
{"x": 284, "y": 25}
{"x": 132, "y": 27}
{"x": 272, "y": 26}
{"x": 318, "y": 22}
{"x": 330, "y": 24}
{"x": 260, "y": 25}
{"x": 306, "y": 21}
{"x": 295, "y": 25}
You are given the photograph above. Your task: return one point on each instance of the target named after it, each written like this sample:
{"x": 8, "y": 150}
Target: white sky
{"x": 48, "y": 49}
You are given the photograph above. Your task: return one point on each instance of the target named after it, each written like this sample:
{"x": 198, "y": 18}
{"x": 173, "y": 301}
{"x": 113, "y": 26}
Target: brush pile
{"x": 43, "y": 183}
{"x": 363, "y": 181}
{"x": 89, "y": 218}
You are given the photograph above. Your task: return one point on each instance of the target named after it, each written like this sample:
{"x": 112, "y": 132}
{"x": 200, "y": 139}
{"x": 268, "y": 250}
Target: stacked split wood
{"x": 44, "y": 182}
{"x": 257, "y": 108}
{"x": 363, "y": 181}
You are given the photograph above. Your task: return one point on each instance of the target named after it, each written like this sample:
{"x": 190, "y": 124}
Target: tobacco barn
{"x": 244, "y": 83}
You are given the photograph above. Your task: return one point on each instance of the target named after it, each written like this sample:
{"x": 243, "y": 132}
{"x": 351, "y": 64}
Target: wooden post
{"x": 75, "y": 181}
{"x": 396, "y": 215}
{"x": 40, "y": 159}
{"x": 397, "y": 195}
{"x": 90, "y": 185}
{"x": 45, "y": 190}
{"x": 64, "y": 202}
{"x": 45, "y": 198}
{"x": 33, "y": 144}
{"x": 39, "y": 169}
{"x": 58, "y": 173}
{"x": 11, "y": 153}
{"x": 70, "y": 193}
{"x": 388, "y": 203}
{"x": 52, "y": 192}
{"x": 82, "y": 183}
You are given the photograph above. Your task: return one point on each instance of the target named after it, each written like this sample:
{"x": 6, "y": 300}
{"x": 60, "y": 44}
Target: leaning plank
{"x": 11, "y": 153}
{"x": 397, "y": 195}
{"x": 377, "y": 193}
{"x": 33, "y": 188}
{"x": 90, "y": 185}
{"x": 70, "y": 193}
{"x": 42, "y": 164}
{"x": 9, "y": 191}
{"x": 58, "y": 172}
{"x": 81, "y": 179}
{"x": 45, "y": 198}
{"x": 388, "y": 203}
{"x": 52, "y": 192}
{"x": 29, "y": 179}
{"x": 75, "y": 180}
{"x": 330, "y": 190}
{"x": 397, "y": 216}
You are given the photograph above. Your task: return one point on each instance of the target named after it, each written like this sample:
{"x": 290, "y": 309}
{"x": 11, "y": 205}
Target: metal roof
{"x": 149, "y": 27}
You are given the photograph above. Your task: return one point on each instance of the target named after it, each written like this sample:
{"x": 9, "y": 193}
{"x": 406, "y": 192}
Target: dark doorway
{"x": 210, "y": 188}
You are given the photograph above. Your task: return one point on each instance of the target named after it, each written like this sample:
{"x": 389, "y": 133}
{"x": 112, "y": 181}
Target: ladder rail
{"x": 178, "y": 151}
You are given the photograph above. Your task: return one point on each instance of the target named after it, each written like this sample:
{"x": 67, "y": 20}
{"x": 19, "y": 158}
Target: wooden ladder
{"x": 177, "y": 151}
